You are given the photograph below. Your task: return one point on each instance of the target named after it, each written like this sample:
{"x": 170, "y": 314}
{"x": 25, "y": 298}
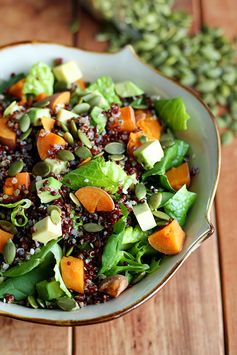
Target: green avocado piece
{"x": 47, "y": 189}
{"x": 45, "y": 230}
{"x": 67, "y": 72}
{"x": 36, "y": 113}
{"x": 57, "y": 166}
{"x": 144, "y": 216}
{"x": 49, "y": 290}
{"x": 127, "y": 89}
{"x": 64, "y": 115}
{"x": 149, "y": 154}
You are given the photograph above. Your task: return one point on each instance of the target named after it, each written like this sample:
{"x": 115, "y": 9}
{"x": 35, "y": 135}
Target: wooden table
{"x": 196, "y": 312}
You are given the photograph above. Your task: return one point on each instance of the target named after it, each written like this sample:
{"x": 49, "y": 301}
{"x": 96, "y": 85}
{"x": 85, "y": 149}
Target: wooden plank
{"x": 187, "y": 313}
{"x": 42, "y": 20}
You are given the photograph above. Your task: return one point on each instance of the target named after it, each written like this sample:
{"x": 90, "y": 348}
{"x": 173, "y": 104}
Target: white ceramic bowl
{"x": 201, "y": 134}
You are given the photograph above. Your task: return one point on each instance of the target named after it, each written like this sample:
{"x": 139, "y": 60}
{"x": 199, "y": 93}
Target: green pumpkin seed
{"x": 117, "y": 157}
{"x": 15, "y": 168}
{"x": 54, "y": 207}
{"x": 67, "y": 304}
{"x": 55, "y": 216}
{"x": 24, "y": 123}
{"x": 65, "y": 155}
{"x": 221, "y": 122}
{"x": 92, "y": 227}
{"x": 41, "y": 169}
{"x": 69, "y": 251}
{"x": 84, "y": 139}
{"x": 115, "y": 148}
{"x": 42, "y": 103}
{"x": 8, "y": 227}
{"x": 81, "y": 108}
{"x": 64, "y": 126}
{"x": 26, "y": 134}
{"x": 68, "y": 138}
{"x": 138, "y": 278}
{"x": 95, "y": 101}
{"x": 155, "y": 200}
{"x": 83, "y": 153}
{"x": 227, "y": 137}
{"x": 40, "y": 302}
{"x": 161, "y": 215}
{"x": 233, "y": 127}
{"x": 9, "y": 252}
{"x": 32, "y": 302}
{"x": 89, "y": 97}
{"x": 74, "y": 199}
{"x": 73, "y": 128}
{"x": 140, "y": 191}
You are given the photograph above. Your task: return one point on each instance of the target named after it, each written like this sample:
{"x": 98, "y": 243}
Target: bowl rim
{"x": 201, "y": 238}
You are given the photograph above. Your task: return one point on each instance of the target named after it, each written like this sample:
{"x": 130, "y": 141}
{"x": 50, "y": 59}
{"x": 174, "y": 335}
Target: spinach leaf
{"x": 164, "y": 182}
{"x": 57, "y": 252}
{"x": 165, "y": 197}
{"x": 28, "y": 265}
{"x": 173, "y": 113}
{"x": 4, "y": 85}
{"x": 24, "y": 285}
{"x": 128, "y": 89}
{"x": 178, "y": 205}
{"x": 105, "y": 86}
{"x": 112, "y": 253}
{"x": 173, "y": 157}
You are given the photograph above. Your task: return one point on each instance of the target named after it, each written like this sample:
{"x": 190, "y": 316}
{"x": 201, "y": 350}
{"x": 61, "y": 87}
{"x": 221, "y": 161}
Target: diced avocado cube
{"x": 65, "y": 115}
{"x": 47, "y": 189}
{"x": 149, "y": 154}
{"x": 67, "y": 72}
{"x": 36, "y": 113}
{"x": 128, "y": 89}
{"x": 144, "y": 216}
{"x": 49, "y": 290}
{"x": 57, "y": 166}
{"x": 46, "y": 230}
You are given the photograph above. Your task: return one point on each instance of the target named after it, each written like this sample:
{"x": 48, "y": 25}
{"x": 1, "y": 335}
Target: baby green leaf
{"x": 173, "y": 113}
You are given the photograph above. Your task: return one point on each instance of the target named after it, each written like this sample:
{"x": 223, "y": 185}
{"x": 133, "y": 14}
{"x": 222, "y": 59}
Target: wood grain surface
{"x": 186, "y": 317}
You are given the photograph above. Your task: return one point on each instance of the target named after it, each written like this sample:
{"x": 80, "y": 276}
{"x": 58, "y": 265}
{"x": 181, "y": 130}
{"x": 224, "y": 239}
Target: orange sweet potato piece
{"x": 73, "y": 273}
{"x": 126, "y": 121}
{"x": 150, "y": 126}
{"x": 179, "y": 176}
{"x": 46, "y": 141}
{"x": 61, "y": 98}
{"x": 140, "y": 115}
{"x": 95, "y": 199}
{"x": 41, "y": 96}
{"x": 48, "y": 123}
{"x": 4, "y": 237}
{"x": 81, "y": 83}
{"x": 134, "y": 142}
{"x": 168, "y": 240}
{"x": 23, "y": 179}
{"x": 7, "y": 135}
{"x": 17, "y": 89}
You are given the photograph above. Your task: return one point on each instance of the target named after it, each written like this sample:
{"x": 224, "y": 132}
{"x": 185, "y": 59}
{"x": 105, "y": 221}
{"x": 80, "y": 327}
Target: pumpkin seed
{"x": 89, "y": 97}
{"x": 93, "y": 227}
{"x": 32, "y": 302}
{"x": 81, "y": 108}
{"x": 74, "y": 199}
{"x": 15, "y": 168}
{"x": 227, "y": 137}
{"x": 95, "y": 101}
{"x": 233, "y": 127}
{"x": 65, "y": 155}
{"x": 69, "y": 251}
{"x": 140, "y": 191}
{"x": 138, "y": 278}
{"x": 8, "y": 227}
{"x": 68, "y": 138}
{"x": 26, "y": 134}
{"x": 115, "y": 148}
{"x": 54, "y": 207}
{"x": 83, "y": 153}
{"x": 24, "y": 123}
{"x": 161, "y": 215}
{"x": 84, "y": 139}
{"x": 40, "y": 302}
{"x": 63, "y": 126}
{"x": 155, "y": 200}
{"x": 9, "y": 252}
{"x": 73, "y": 128}
{"x": 117, "y": 157}
{"x": 41, "y": 169}
{"x": 67, "y": 304}
{"x": 42, "y": 103}
{"x": 55, "y": 216}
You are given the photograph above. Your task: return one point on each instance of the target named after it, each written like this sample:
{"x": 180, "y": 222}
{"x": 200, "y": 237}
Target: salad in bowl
{"x": 95, "y": 186}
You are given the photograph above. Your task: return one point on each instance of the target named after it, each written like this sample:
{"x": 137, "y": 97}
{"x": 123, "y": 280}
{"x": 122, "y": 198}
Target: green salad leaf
{"x": 105, "y": 86}
{"x": 112, "y": 252}
{"x": 57, "y": 252}
{"x": 177, "y": 206}
{"x": 40, "y": 79}
{"x": 173, "y": 113}
{"x": 98, "y": 118}
{"x": 128, "y": 89}
{"x": 173, "y": 157}
{"x": 164, "y": 182}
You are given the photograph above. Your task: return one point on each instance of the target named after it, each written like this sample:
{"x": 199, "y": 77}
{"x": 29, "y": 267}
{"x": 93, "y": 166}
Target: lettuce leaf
{"x": 177, "y": 206}
{"x": 98, "y": 118}
{"x": 173, "y": 157}
{"x": 173, "y": 113}
{"x": 128, "y": 89}
{"x": 105, "y": 86}
{"x": 39, "y": 80}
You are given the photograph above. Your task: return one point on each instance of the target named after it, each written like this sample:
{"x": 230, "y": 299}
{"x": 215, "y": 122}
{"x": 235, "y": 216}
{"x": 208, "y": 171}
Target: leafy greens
{"x": 173, "y": 113}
